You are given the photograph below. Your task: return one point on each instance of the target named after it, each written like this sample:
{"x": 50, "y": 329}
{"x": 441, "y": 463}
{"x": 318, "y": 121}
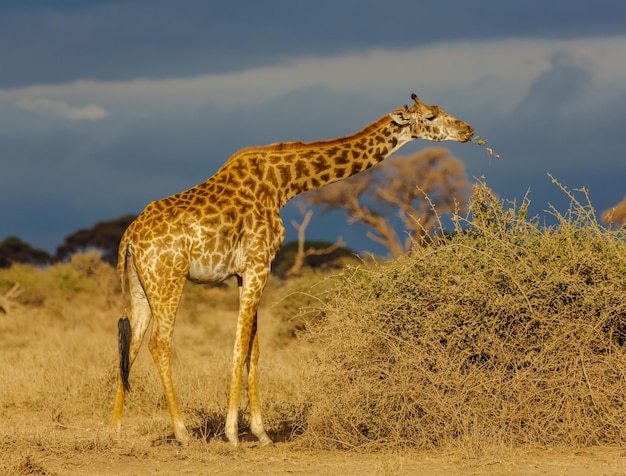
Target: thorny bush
{"x": 504, "y": 332}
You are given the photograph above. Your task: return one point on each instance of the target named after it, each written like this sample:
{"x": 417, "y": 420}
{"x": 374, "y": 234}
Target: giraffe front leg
{"x": 232, "y": 425}
{"x": 242, "y": 339}
{"x": 256, "y": 420}
{"x": 246, "y": 349}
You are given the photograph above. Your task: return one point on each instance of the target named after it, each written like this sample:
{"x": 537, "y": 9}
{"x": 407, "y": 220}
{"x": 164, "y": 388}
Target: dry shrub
{"x": 505, "y": 333}
{"x": 84, "y": 272}
{"x": 298, "y": 300}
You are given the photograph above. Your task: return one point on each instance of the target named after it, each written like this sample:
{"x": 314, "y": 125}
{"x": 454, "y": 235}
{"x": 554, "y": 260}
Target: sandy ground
{"x": 285, "y": 459}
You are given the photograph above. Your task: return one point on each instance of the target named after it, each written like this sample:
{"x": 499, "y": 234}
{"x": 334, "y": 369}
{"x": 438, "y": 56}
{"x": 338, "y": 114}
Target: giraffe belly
{"x": 215, "y": 267}
{"x": 209, "y": 273}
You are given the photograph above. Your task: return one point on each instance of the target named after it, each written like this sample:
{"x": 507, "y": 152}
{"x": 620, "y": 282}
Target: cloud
{"x": 161, "y": 38}
{"x": 558, "y": 87}
{"x": 504, "y": 70}
{"x": 171, "y": 134}
{"x": 59, "y": 108}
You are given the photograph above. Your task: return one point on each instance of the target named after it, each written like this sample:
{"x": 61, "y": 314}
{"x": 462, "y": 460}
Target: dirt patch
{"x": 142, "y": 458}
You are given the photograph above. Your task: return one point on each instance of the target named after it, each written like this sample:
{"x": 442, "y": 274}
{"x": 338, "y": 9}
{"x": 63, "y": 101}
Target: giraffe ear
{"x": 401, "y": 117}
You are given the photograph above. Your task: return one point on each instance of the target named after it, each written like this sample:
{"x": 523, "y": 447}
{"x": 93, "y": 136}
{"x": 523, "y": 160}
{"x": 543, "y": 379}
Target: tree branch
{"x": 302, "y": 254}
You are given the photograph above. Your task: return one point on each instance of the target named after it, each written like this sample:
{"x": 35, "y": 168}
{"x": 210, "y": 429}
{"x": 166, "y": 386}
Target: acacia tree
{"x": 416, "y": 189}
{"x": 615, "y": 215}
{"x": 14, "y": 250}
{"x": 104, "y": 235}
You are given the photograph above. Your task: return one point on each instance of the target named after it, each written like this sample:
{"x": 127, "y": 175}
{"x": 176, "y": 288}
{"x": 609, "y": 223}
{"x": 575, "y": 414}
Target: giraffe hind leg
{"x": 160, "y": 345}
{"x": 164, "y": 306}
{"x": 131, "y": 330}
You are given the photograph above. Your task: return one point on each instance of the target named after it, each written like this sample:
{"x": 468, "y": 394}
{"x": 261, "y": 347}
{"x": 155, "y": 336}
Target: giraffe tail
{"x": 123, "y": 327}
{"x": 124, "y": 335}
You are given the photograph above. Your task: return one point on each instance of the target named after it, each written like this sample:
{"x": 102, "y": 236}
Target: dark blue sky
{"x": 107, "y": 105}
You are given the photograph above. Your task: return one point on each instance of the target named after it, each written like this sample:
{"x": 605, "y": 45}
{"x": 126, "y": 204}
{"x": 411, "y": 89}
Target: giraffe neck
{"x": 296, "y": 167}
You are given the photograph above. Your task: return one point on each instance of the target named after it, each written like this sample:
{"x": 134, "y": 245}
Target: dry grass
{"x": 58, "y": 361}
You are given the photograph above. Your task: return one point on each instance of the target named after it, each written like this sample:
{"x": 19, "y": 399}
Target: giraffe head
{"x": 431, "y": 123}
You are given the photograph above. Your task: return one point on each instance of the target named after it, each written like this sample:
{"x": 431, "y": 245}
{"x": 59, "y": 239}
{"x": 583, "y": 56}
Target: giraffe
{"x": 230, "y": 225}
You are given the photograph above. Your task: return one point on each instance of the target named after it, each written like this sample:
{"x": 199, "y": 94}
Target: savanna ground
{"x": 496, "y": 351}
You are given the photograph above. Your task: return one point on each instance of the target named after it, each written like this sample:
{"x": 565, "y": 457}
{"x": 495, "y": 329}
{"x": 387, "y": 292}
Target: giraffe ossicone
{"x": 230, "y": 225}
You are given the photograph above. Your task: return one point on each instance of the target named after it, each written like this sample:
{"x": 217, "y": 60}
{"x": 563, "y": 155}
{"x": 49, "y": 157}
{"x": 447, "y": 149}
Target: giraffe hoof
{"x": 182, "y": 436}
{"x": 114, "y": 436}
{"x": 232, "y": 436}
{"x": 265, "y": 440}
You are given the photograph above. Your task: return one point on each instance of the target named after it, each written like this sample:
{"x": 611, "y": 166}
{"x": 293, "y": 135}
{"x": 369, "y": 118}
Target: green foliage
{"x": 505, "y": 332}
{"x": 481, "y": 142}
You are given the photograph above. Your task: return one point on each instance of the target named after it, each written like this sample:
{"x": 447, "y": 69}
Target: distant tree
{"x": 414, "y": 189}
{"x": 282, "y": 265}
{"x": 615, "y": 215}
{"x": 14, "y": 250}
{"x": 104, "y": 236}
{"x": 306, "y": 250}
{"x": 295, "y": 255}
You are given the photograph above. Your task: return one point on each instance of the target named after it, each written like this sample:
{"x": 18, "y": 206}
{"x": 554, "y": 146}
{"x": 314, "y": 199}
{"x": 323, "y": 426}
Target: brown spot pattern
{"x": 230, "y": 225}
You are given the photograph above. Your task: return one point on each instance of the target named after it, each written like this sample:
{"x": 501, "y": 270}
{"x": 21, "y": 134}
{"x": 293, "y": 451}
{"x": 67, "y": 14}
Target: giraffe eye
{"x": 431, "y": 118}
